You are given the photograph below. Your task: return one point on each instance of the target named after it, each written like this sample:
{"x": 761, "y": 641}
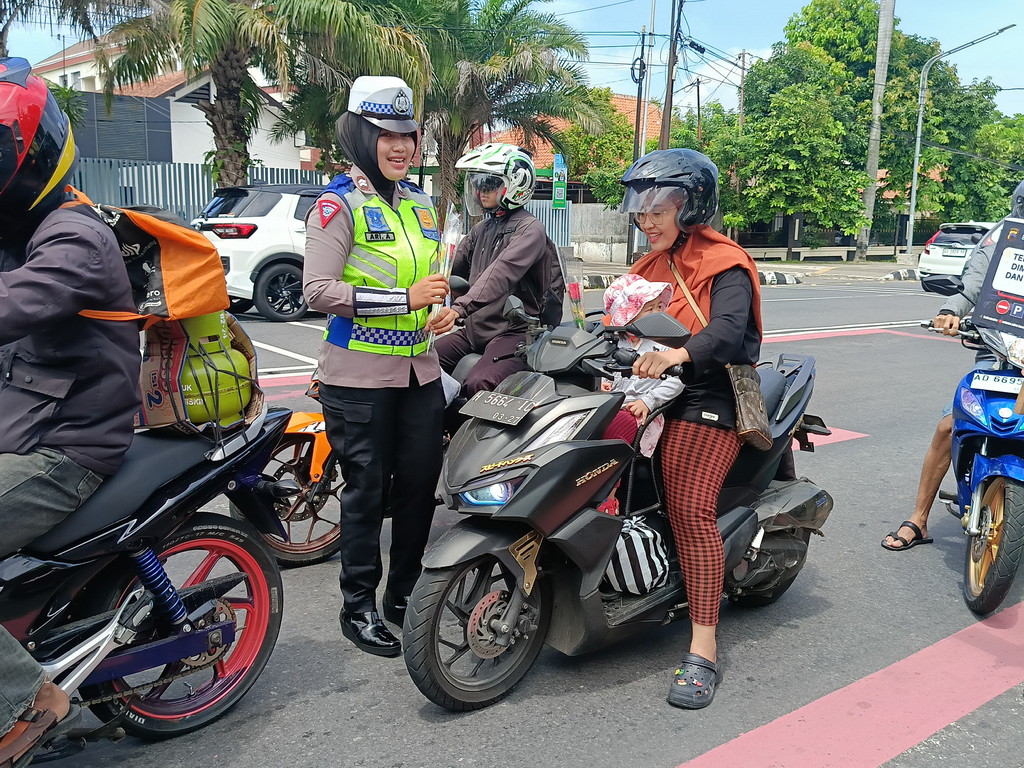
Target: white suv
{"x": 947, "y": 251}
{"x": 260, "y": 233}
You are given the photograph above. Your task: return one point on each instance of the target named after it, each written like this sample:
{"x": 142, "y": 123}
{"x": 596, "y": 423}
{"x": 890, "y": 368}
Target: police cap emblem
{"x": 402, "y": 103}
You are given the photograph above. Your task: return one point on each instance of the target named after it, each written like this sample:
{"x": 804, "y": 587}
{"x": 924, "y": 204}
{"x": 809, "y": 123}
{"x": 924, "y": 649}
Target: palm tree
{"x": 496, "y": 64}
{"x": 226, "y": 37}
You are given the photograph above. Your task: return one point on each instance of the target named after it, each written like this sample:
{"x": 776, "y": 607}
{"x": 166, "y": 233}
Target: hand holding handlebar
{"x": 656, "y": 365}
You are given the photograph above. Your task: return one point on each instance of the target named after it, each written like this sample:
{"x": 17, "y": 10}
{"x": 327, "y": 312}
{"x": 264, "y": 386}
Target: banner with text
{"x": 1001, "y": 301}
{"x": 559, "y": 177}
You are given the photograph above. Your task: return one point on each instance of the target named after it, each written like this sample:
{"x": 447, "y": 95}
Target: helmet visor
{"x": 489, "y": 186}
{"x": 652, "y": 199}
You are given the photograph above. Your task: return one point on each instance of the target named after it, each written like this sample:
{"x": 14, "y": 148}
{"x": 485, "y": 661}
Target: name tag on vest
{"x": 377, "y": 229}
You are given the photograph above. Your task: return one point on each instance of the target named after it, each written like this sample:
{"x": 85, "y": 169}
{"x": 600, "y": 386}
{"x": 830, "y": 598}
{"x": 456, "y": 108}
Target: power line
{"x": 595, "y": 8}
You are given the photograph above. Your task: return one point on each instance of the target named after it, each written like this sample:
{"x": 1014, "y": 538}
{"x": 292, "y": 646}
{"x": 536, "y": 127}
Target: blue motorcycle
{"x": 988, "y": 460}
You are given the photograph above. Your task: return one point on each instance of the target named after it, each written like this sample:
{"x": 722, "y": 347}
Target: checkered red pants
{"x": 695, "y": 459}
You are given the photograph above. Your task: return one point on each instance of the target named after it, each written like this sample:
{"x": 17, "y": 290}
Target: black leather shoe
{"x": 369, "y": 633}
{"x": 394, "y": 608}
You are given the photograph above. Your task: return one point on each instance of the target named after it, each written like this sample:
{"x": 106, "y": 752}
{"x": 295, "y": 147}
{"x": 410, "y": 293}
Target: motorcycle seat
{"x": 151, "y": 461}
{"x": 464, "y": 366}
{"x": 773, "y": 386}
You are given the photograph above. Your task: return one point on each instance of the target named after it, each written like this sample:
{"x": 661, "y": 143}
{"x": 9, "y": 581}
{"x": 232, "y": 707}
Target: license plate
{"x": 493, "y": 406}
{"x": 955, "y": 253}
{"x": 996, "y": 383}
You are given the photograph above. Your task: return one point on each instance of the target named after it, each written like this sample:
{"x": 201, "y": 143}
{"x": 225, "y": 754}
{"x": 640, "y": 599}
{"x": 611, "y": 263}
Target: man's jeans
{"x": 37, "y": 491}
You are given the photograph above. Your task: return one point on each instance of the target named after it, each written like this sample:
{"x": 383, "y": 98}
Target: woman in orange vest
{"x": 672, "y": 195}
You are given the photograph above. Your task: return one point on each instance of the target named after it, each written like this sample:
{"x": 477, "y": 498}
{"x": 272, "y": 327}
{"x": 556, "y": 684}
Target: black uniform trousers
{"x": 389, "y": 444}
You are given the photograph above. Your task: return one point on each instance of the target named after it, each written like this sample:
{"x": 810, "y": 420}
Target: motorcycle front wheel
{"x": 451, "y": 648}
{"x": 995, "y": 553}
{"x": 191, "y": 693}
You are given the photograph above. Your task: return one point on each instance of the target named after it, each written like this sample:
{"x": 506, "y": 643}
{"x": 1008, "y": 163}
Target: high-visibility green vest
{"x": 390, "y": 249}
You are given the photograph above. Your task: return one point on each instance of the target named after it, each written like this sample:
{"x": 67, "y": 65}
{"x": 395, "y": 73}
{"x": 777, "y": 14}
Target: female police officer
{"x": 371, "y": 261}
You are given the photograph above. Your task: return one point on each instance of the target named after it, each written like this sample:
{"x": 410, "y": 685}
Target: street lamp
{"x": 920, "y": 120}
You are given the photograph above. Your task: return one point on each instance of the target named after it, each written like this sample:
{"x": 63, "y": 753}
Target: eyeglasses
{"x": 653, "y": 217}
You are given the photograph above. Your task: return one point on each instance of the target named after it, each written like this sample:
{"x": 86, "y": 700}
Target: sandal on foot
{"x": 919, "y": 538}
{"x": 693, "y": 686}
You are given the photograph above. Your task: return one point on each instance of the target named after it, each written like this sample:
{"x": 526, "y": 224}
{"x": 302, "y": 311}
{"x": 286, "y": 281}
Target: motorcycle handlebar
{"x": 966, "y": 330}
{"x": 626, "y": 358}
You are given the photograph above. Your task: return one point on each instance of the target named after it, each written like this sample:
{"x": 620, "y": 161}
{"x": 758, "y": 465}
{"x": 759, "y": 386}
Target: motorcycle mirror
{"x": 514, "y": 310}
{"x": 944, "y": 285}
{"x": 459, "y": 286}
{"x": 659, "y": 327}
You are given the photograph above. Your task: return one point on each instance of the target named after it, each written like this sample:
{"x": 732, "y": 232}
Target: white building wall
{"x": 191, "y": 139}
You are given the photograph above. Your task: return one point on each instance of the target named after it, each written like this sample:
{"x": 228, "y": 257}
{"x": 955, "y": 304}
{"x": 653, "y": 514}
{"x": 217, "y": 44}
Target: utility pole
{"x": 885, "y": 22}
{"x": 666, "y": 117}
{"x": 700, "y": 142}
{"x": 639, "y": 74}
{"x": 743, "y": 89}
{"x": 647, "y": 89}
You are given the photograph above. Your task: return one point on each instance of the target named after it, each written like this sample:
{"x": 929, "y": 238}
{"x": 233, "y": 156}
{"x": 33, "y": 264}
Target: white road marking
{"x": 285, "y": 352}
{"x": 300, "y": 324}
{"x": 859, "y": 327}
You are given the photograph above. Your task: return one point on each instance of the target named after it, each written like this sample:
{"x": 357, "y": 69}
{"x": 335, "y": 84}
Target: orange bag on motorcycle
{"x": 175, "y": 272}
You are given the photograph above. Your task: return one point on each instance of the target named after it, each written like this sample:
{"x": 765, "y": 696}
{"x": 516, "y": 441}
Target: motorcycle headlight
{"x": 491, "y": 495}
{"x": 970, "y": 403}
{"x": 1014, "y": 350}
{"x": 563, "y": 429}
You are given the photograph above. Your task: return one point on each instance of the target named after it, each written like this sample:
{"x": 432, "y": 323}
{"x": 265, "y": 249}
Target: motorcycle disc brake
{"x": 481, "y": 638}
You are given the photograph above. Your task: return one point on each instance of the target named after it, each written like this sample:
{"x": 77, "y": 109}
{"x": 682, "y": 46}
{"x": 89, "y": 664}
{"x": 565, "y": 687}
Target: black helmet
{"x": 1017, "y": 202}
{"x": 683, "y": 177}
{"x": 37, "y": 149}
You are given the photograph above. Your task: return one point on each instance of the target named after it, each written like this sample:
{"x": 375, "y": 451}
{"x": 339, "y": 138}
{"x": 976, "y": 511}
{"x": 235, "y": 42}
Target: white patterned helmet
{"x": 383, "y": 101}
{"x": 493, "y": 166}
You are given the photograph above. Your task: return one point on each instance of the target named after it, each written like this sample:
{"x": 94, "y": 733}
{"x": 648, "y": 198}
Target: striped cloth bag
{"x": 639, "y": 562}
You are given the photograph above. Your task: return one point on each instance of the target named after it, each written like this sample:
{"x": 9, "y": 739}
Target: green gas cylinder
{"x": 215, "y": 378}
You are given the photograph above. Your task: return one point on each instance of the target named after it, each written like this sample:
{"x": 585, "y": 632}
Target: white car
{"x": 260, "y": 233}
{"x": 947, "y": 251}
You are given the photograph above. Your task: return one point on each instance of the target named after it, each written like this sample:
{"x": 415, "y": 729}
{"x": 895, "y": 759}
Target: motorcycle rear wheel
{"x": 993, "y": 556}
{"x": 449, "y": 646}
{"x": 208, "y": 546}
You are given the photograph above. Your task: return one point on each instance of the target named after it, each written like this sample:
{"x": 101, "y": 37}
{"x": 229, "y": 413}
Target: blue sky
{"x": 730, "y": 26}
{"x": 755, "y": 25}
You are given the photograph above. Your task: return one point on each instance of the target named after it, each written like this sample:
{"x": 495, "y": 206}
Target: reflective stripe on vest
{"x": 390, "y": 249}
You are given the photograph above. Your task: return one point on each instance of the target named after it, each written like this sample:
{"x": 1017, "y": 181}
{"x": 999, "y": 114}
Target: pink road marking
{"x": 285, "y": 381}
{"x": 837, "y": 436}
{"x": 880, "y": 716}
{"x": 854, "y": 332}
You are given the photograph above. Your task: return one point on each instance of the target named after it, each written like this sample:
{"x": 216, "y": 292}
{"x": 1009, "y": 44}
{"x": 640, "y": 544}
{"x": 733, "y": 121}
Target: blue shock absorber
{"x": 154, "y": 578}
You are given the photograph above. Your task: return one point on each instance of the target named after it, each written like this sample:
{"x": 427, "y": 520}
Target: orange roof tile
{"x": 158, "y": 86}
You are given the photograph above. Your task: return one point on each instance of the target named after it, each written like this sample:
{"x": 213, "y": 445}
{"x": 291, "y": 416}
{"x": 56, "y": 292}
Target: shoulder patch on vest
{"x": 327, "y": 209}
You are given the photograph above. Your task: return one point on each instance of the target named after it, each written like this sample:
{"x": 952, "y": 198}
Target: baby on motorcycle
{"x": 628, "y": 298}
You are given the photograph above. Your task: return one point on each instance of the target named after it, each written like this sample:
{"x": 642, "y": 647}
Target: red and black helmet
{"x": 37, "y": 149}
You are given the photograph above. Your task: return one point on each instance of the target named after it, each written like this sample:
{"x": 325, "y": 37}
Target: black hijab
{"x": 357, "y": 139}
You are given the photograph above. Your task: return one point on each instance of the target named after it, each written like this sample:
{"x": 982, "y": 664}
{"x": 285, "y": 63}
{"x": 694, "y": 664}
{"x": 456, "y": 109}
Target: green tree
{"x": 796, "y": 164}
{"x": 71, "y": 101}
{"x": 600, "y": 158}
{"x": 226, "y": 37}
{"x": 496, "y": 64}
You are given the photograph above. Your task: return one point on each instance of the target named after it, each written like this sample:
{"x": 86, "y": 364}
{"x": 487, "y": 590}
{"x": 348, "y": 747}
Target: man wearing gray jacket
{"x": 914, "y": 531}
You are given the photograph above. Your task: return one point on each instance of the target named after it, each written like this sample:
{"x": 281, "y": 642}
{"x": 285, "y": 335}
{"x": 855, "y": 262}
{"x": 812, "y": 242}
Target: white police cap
{"x": 384, "y": 101}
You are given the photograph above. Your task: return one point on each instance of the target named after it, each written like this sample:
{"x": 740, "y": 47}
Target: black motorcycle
{"x": 527, "y": 471}
{"x": 160, "y": 616}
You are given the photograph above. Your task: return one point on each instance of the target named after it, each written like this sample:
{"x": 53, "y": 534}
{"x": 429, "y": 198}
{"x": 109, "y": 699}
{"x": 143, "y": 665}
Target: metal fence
{"x": 184, "y": 188}
{"x": 555, "y": 220}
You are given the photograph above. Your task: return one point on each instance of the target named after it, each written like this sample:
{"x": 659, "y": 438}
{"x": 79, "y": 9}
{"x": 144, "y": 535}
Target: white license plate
{"x": 955, "y": 253}
{"x": 996, "y": 383}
